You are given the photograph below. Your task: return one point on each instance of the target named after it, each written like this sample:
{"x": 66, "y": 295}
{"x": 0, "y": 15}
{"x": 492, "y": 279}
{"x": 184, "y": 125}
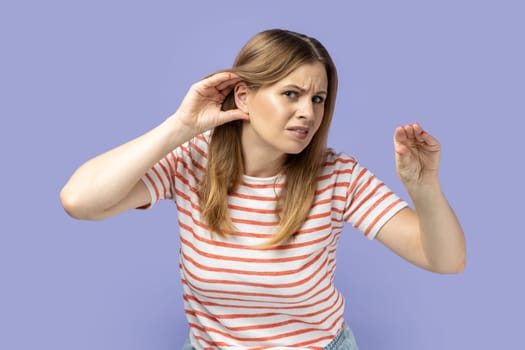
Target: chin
{"x": 295, "y": 150}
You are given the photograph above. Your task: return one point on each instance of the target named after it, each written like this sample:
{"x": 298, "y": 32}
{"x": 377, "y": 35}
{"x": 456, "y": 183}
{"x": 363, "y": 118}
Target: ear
{"x": 241, "y": 92}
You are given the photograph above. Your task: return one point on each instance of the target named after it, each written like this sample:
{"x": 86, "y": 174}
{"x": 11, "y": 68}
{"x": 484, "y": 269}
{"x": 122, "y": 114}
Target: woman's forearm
{"x": 109, "y": 183}
{"x": 442, "y": 237}
{"x": 105, "y": 180}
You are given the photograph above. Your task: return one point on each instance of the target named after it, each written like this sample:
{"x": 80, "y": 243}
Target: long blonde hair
{"x": 265, "y": 59}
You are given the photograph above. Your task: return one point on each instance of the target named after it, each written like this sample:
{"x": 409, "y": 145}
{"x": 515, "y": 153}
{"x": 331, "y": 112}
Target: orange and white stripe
{"x": 239, "y": 296}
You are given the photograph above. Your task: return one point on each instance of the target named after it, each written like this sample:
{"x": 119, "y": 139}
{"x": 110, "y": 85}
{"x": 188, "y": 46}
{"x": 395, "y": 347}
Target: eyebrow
{"x": 322, "y": 92}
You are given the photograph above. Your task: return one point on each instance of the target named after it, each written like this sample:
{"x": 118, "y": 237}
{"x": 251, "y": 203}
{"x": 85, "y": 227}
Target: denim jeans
{"x": 344, "y": 340}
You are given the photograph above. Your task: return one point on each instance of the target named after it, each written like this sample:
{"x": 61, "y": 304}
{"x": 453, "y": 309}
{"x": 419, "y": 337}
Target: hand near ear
{"x": 417, "y": 155}
{"x": 201, "y": 108}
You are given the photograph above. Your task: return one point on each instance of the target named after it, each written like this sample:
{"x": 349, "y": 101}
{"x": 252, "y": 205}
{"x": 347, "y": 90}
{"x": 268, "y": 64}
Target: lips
{"x": 299, "y": 129}
{"x": 299, "y": 132}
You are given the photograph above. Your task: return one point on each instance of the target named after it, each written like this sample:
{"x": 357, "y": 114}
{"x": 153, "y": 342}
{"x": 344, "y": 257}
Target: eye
{"x": 290, "y": 94}
{"x": 317, "y": 99}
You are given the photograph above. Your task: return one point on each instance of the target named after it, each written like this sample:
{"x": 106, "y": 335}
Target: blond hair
{"x": 265, "y": 59}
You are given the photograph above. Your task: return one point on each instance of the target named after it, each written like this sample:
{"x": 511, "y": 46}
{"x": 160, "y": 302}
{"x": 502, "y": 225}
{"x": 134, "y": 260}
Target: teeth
{"x": 300, "y": 130}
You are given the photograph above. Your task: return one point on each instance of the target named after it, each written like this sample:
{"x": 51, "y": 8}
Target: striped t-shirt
{"x": 237, "y": 296}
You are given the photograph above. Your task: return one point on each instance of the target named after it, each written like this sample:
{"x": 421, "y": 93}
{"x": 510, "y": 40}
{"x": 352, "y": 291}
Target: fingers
{"x": 400, "y": 141}
{"x": 400, "y": 135}
{"x": 412, "y": 133}
{"x": 217, "y": 86}
{"x": 221, "y": 81}
{"x": 413, "y": 138}
{"x": 408, "y": 136}
{"x": 229, "y": 83}
{"x": 429, "y": 139}
{"x": 420, "y": 134}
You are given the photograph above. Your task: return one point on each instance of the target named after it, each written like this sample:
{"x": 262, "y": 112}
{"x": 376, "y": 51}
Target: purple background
{"x": 77, "y": 78}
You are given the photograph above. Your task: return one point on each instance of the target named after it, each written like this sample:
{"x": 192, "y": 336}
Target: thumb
{"x": 403, "y": 157}
{"x": 233, "y": 114}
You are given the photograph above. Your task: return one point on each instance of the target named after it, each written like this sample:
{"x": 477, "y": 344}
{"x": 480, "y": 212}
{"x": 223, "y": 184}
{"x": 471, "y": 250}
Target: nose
{"x": 306, "y": 109}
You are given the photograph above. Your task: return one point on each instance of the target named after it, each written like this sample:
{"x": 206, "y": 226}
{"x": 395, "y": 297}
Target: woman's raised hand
{"x": 417, "y": 155}
{"x": 201, "y": 108}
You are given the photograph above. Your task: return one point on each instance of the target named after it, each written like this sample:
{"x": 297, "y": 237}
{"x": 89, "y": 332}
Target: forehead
{"x": 307, "y": 76}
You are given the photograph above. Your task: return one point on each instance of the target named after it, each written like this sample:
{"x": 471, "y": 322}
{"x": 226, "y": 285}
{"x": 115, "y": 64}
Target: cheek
{"x": 264, "y": 107}
{"x": 273, "y": 111}
{"x": 319, "y": 120}
{"x": 275, "y": 107}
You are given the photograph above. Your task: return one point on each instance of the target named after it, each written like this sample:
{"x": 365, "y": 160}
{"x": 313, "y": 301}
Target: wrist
{"x": 173, "y": 132}
{"x": 178, "y": 128}
{"x": 422, "y": 190}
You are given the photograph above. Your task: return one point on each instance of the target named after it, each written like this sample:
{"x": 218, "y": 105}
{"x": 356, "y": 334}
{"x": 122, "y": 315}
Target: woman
{"x": 262, "y": 201}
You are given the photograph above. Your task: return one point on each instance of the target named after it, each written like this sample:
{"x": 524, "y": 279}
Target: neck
{"x": 260, "y": 160}
{"x": 260, "y": 164}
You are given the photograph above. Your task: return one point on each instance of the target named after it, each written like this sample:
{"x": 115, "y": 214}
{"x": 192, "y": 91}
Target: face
{"x": 285, "y": 116}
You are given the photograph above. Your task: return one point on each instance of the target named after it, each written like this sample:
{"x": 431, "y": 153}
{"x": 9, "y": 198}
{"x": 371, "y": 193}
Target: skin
{"x": 110, "y": 183}
{"x": 429, "y": 236}
{"x": 283, "y": 118}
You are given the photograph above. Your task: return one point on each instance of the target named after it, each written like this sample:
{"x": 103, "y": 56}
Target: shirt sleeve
{"x": 369, "y": 202}
{"x": 180, "y": 171}
{"x": 159, "y": 180}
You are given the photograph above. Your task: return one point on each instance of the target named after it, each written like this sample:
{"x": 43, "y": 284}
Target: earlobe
{"x": 241, "y": 91}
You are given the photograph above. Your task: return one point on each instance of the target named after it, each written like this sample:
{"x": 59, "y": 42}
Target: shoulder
{"x": 203, "y": 140}
{"x": 337, "y": 161}
{"x": 205, "y": 136}
{"x": 192, "y": 156}
{"x": 197, "y": 147}
{"x": 338, "y": 167}
{"x": 341, "y": 167}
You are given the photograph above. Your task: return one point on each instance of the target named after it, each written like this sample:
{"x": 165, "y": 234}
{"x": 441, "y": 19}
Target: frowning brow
{"x": 293, "y": 86}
